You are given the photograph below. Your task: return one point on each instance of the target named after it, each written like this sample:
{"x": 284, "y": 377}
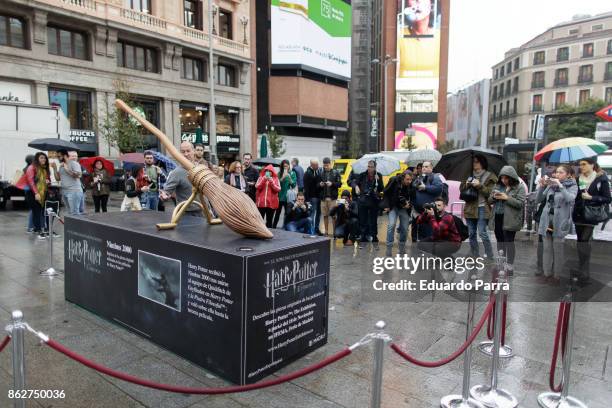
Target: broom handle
{"x": 158, "y": 133}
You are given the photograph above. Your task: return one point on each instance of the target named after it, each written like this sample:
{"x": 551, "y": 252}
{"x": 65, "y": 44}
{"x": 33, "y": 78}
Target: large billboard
{"x": 312, "y": 34}
{"x": 418, "y": 72}
{"x": 466, "y": 115}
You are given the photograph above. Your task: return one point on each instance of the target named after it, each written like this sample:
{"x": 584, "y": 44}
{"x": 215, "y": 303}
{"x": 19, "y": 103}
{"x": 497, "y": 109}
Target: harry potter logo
{"x": 80, "y": 251}
{"x": 289, "y": 276}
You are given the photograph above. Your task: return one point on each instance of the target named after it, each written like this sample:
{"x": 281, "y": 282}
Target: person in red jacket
{"x": 267, "y": 188}
{"x": 445, "y": 239}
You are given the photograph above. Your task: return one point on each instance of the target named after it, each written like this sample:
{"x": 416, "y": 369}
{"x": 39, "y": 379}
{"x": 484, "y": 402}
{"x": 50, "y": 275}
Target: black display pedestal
{"x": 241, "y": 308}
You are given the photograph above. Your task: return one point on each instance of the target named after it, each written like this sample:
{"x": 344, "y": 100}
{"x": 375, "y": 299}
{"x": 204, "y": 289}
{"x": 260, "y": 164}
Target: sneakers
{"x": 43, "y": 235}
{"x": 30, "y": 231}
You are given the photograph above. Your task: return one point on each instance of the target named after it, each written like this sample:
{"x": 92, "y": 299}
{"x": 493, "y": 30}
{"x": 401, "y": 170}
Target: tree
{"x": 277, "y": 144}
{"x": 446, "y": 146}
{"x": 120, "y": 131}
{"x": 575, "y": 120}
{"x": 407, "y": 144}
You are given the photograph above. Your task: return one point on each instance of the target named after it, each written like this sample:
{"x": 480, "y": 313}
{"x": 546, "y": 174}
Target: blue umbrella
{"x": 168, "y": 162}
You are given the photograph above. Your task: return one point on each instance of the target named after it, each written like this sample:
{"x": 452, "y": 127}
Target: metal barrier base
{"x": 486, "y": 347}
{"x": 555, "y": 400}
{"x": 49, "y": 272}
{"x": 493, "y": 398}
{"x": 457, "y": 401}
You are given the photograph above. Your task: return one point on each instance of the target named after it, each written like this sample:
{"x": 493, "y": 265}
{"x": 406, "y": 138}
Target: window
{"x": 559, "y": 99}
{"x": 608, "y": 96}
{"x": 515, "y": 85}
{"x": 76, "y": 105}
{"x": 193, "y": 69}
{"x": 597, "y": 27}
{"x": 587, "y": 50}
{"x": 226, "y": 122}
{"x": 609, "y": 47}
{"x": 509, "y": 67}
{"x": 226, "y": 75}
{"x": 536, "y": 105}
{"x": 561, "y": 77}
{"x": 143, "y": 6}
{"x": 584, "y": 95}
{"x": 537, "y": 80}
{"x": 495, "y": 92}
{"x": 499, "y": 132}
{"x": 608, "y": 74}
{"x": 136, "y": 57}
{"x": 508, "y": 88}
{"x": 562, "y": 54}
{"x": 516, "y": 64}
{"x": 507, "y": 108}
{"x": 506, "y": 130}
{"x": 539, "y": 58}
{"x": 66, "y": 43}
{"x": 12, "y": 32}
{"x": 192, "y": 14}
{"x": 574, "y": 31}
{"x": 513, "y": 129}
{"x": 514, "y": 106}
{"x": 496, "y": 73}
{"x": 493, "y": 131}
{"x": 585, "y": 74}
{"x": 494, "y": 111}
{"x": 225, "y": 24}
{"x": 502, "y": 71}
{"x": 501, "y": 90}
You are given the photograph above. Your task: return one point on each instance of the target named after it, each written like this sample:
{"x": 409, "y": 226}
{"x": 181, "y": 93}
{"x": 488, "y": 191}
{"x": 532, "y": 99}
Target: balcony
{"x": 537, "y": 84}
{"x": 560, "y": 81}
{"x": 109, "y": 10}
{"x": 585, "y": 79}
{"x": 508, "y": 92}
{"x": 608, "y": 76}
{"x": 515, "y": 90}
{"x": 493, "y": 117}
{"x": 536, "y": 108}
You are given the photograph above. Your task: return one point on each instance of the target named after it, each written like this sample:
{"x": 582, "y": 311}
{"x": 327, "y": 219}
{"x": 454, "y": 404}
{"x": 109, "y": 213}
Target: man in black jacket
{"x": 312, "y": 193}
{"x": 298, "y": 215}
{"x": 347, "y": 219}
{"x": 251, "y": 174}
{"x": 398, "y": 196}
{"x": 368, "y": 187}
{"x": 329, "y": 185}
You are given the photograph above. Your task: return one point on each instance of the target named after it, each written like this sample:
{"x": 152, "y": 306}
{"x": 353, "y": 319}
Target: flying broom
{"x": 235, "y": 208}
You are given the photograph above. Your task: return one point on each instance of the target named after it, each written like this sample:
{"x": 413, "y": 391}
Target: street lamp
{"x": 212, "y": 133}
{"x": 385, "y": 63}
{"x": 244, "y": 20}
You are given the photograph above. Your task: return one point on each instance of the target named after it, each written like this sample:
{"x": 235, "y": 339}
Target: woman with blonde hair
{"x": 235, "y": 178}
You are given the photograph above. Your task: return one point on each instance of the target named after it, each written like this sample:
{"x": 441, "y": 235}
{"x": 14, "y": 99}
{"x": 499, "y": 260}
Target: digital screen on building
{"x": 313, "y": 34}
{"x": 465, "y": 111}
{"x": 417, "y": 136}
{"x": 418, "y": 51}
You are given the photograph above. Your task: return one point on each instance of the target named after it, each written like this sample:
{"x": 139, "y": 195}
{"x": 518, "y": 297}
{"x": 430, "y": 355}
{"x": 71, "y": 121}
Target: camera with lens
{"x": 470, "y": 180}
{"x": 429, "y": 206}
{"x": 403, "y": 201}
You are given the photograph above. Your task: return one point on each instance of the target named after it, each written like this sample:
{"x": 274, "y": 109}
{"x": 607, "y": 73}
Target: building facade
{"x": 77, "y": 54}
{"x": 565, "y": 65}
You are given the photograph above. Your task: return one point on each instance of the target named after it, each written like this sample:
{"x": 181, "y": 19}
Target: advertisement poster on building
{"x": 313, "y": 34}
{"x": 466, "y": 115}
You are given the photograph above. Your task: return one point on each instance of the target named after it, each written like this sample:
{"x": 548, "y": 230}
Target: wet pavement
{"x": 428, "y": 330}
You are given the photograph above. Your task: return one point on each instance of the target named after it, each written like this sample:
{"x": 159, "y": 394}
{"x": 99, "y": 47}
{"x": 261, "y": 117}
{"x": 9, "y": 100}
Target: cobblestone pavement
{"x": 427, "y": 330}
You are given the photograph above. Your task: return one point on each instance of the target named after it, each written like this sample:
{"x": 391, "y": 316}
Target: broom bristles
{"x": 235, "y": 208}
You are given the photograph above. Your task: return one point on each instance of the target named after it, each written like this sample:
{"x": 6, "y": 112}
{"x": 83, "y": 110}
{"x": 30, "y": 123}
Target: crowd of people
{"x": 416, "y": 200}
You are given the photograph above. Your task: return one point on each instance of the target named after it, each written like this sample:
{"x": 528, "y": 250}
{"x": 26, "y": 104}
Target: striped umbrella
{"x": 570, "y": 149}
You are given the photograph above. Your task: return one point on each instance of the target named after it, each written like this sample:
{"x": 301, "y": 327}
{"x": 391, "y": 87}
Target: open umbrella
{"x": 50, "y": 143}
{"x": 570, "y": 149}
{"x": 132, "y": 158}
{"x": 457, "y": 164}
{"x": 88, "y": 164}
{"x": 168, "y": 162}
{"x": 264, "y": 161}
{"x": 419, "y": 156}
{"x": 263, "y": 146}
{"x": 385, "y": 164}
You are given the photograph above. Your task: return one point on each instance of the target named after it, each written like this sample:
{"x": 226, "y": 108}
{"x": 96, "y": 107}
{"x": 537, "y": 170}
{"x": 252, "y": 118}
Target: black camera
{"x": 429, "y": 206}
{"x": 403, "y": 201}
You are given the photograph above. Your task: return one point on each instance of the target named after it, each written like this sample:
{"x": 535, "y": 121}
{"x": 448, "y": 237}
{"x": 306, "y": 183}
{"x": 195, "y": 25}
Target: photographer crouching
{"x": 298, "y": 216}
{"x": 397, "y": 202}
{"x": 347, "y": 219}
{"x": 445, "y": 239}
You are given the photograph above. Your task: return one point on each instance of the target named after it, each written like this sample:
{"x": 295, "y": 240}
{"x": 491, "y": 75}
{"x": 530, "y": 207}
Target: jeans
{"x": 441, "y": 249}
{"x": 304, "y": 226}
{"x": 72, "y": 201}
{"x": 505, "y": 239}
{"x": 82, "y": 203}
{"x": 277, "y": 213}
{"x": 479, "y": 225}
{"x": 404, "y": 220}
{"x": 150, "y": 199}
{"x": 348, "y": 230}
{"x": 38, "y": 220}
{"x": 315, "y": 215}
{"x": 368, "y": 222}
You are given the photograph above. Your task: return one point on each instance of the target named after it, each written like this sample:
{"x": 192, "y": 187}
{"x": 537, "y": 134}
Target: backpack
{"x": 462, "y": 229}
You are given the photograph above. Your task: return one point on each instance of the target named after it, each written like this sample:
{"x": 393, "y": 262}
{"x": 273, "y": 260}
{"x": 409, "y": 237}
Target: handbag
{"x": 469, "y": 194}
{"x": 595, "y": 214}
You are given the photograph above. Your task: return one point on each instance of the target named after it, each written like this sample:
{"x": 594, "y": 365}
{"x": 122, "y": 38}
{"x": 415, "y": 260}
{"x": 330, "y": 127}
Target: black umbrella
{"x": 457, "y": 164}
{"x": 264, "y": 161}
{"x": 50, "y": 143}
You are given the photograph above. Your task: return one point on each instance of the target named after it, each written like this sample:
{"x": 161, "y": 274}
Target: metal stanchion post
{"x": 379, "y": 340}
{"x": 563, "y": 400}
{"x": 490, "y": 395}
{"x": 17, "y": 329}
{"x": 50, "y": 271}
{"x": 486, "y": 347}
{"x": 464, "y": 400}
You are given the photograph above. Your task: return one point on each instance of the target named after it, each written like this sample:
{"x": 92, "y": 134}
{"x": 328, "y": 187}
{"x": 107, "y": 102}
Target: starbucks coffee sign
{"x": 15, "y": 92}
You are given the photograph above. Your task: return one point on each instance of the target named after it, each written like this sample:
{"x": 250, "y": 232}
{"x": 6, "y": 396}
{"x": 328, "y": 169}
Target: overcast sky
{"x": 482, "y": 30}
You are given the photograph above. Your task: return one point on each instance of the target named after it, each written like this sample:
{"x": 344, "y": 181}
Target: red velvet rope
{"x": 4, "y": 343}
{"x": 188, "y": 390}
{"x": 457, "y": 353}
{"x": 560, "y": 337}
{"x": 491, "y": 322}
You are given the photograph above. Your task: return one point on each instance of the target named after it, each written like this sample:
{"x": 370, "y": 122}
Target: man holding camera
{"x": 368, "y": 188}
{"x": 298, "y": 215}
{"x": 445, "y": 239}
{"x": 347, "y": 219}
{"x": 427, "y": 186}
{"x": 150, "y": 197}
{"x": 398, "y": 197}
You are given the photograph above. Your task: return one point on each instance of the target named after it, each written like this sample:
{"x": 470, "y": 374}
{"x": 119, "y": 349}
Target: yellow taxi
{"x": 345, "y": 166}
